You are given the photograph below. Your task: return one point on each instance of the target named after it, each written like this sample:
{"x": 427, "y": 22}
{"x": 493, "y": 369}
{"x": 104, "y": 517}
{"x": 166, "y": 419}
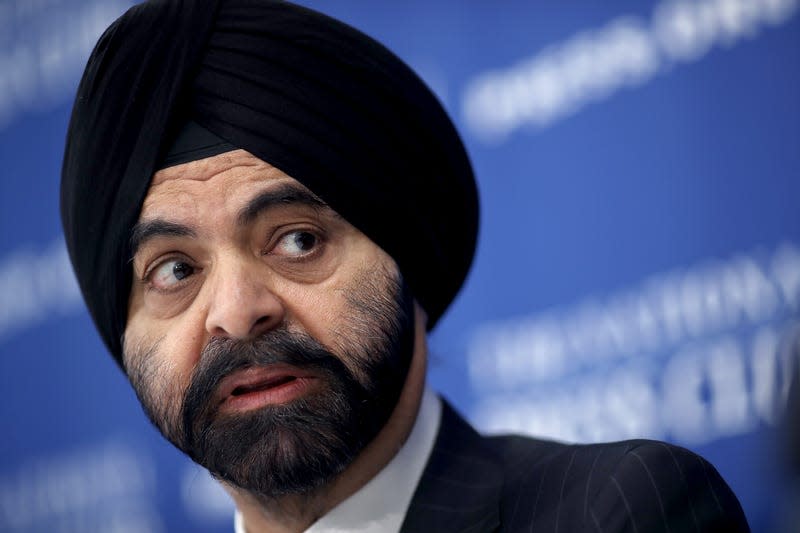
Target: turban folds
{"x": 313, "y": 97}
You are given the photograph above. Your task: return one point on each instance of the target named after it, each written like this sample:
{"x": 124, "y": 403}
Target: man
{"x": 266, "y": 210}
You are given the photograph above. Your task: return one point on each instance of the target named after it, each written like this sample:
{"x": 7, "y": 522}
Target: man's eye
{"x": 297, "y": 244}
{"x": 170, "y": 273}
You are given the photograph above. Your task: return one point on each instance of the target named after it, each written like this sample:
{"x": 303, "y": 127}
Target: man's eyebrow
{"x": 286, "y": 194}
{"x": 148, "y": 229}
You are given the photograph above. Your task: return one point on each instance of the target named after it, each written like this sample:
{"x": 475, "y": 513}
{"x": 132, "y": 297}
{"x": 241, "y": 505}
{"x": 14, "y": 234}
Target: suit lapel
{"x": 461, "y": 485}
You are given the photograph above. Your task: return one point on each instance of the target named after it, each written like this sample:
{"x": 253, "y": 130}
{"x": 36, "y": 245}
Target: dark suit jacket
{"x": 510, "y": 483}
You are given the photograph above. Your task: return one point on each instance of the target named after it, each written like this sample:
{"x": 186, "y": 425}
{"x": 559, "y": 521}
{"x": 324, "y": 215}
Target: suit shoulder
{"x": 519, "y": 451}
{"x": 663, "y": 487}
{"x": 631, "y": 485}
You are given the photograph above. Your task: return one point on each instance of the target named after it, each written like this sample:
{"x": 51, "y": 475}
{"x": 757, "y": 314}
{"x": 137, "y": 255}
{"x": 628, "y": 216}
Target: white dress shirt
{"x": 380, "y": 506}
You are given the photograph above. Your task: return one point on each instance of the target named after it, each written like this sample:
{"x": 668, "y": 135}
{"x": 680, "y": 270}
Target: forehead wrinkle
{"x": 207, "y": 168}
{"x": 240, "y": 184}
{"x": 182, "y": 189}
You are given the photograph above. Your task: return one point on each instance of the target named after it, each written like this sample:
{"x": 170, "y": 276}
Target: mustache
{"x": 223, "y": 356}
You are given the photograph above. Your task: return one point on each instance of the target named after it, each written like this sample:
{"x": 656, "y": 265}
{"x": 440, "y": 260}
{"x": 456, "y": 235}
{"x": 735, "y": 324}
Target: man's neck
{"x": 296, "y": 513}
{"x": 288, "y": 514}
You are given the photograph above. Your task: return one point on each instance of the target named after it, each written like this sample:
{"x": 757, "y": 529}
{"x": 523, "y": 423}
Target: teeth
{"x": 262, "y": 386}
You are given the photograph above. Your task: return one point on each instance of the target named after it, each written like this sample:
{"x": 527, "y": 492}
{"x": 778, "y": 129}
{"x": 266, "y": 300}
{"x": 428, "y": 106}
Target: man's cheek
{"x": 176, "y": 353}
{"x": 155, "y": 378}
{"x": 316, "y": 311}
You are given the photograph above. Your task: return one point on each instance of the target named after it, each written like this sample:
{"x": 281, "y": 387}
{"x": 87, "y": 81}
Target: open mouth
{"x": 255, "y": 387}
{"x": 266, "y": 385}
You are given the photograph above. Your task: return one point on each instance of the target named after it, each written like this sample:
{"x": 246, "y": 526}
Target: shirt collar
{"x": 380, "y": 506}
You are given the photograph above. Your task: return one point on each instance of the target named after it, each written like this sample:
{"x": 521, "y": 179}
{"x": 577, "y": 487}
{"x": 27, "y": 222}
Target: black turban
{"x": 313, "y": 97}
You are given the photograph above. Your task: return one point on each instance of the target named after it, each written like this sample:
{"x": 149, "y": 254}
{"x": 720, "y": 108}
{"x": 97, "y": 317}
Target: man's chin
{"x": 279, "y": 450}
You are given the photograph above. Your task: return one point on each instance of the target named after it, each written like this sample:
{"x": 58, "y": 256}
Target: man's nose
{"x": 242, "y": 304}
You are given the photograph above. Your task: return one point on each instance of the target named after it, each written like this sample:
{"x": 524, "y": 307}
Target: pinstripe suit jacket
{"x": 475, "y": 484}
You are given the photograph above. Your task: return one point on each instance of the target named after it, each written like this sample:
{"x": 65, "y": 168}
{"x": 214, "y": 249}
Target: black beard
{"x": 288, "y": 448}
{"x": 297, "y": 447}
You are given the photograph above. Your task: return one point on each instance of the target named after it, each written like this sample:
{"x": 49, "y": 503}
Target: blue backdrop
{"x": 638, "y": 272}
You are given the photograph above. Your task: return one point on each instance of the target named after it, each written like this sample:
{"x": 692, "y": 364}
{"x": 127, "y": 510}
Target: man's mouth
{"x": 268, "y": 384}
{"x": 256, "y": 387}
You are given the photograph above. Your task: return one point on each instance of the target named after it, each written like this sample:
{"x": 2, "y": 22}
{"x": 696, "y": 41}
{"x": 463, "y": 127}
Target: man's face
{"x": 266, "y": 337}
